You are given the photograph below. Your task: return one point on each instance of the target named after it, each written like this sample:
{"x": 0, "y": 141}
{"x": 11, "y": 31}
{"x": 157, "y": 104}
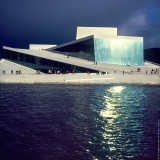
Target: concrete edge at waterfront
{"x": 80, "y": 79}
{"x": 83, "y": 83}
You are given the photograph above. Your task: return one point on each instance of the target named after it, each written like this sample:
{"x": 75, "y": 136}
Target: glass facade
{"x": 83, "y": 50}
{"x": 118, "y": 51}
{"x": 107, "y": 50}
{"x": 38, "y": 63}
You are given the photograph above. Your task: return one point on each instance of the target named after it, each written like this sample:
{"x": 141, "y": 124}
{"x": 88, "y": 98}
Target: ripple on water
{"x": 78, "y": 121}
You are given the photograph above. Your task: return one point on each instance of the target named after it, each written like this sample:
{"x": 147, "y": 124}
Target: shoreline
{"x": 134, "y": 84}
{"x": 82, "y": 79}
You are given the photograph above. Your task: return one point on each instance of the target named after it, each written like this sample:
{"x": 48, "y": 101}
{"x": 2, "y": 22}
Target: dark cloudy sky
{"x": 24, "y": 22}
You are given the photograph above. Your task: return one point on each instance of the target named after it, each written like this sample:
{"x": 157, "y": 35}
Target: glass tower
{"x": 118, "y": 51}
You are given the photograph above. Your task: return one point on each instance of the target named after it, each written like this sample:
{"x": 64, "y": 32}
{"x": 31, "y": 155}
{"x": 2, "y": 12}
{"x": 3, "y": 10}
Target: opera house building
{"x": 94, "y": 44}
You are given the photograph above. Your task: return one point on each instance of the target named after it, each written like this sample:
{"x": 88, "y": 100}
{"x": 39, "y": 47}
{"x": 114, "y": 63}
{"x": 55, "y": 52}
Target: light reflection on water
{"x": 78, "y": 122}
{"x": 110, "y": 114}
{"x": 123, "y": 122}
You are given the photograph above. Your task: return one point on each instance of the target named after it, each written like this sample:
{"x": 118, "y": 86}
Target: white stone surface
{"x": 102, "y": 32}
{"x": 30, "y": 76}
{"x": 129, "y": 37}
{"x": 98, "y": 32}
{"x": 40, "y": 46}
{"x": 83, "y": 78}
{"x": 7, "y": 66}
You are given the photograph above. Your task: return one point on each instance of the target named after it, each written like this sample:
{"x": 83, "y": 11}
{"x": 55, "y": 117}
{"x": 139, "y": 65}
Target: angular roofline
{"x": 58, "y": 58}
{"x": 70, "y": 43}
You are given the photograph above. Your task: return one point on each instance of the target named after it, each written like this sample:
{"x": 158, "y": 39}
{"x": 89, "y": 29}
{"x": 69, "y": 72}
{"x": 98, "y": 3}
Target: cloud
{"x": 138, "y": 21}
{"x": 134, "y": 25}
{"x": 56, "y": 21}
{"x": 144, "y": 23}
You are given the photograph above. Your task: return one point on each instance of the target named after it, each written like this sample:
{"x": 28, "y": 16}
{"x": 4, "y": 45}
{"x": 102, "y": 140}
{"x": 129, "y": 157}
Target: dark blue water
{"x": 78, "y": 122}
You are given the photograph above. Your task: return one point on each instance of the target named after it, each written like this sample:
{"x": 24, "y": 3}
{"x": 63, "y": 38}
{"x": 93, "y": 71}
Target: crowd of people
{"x": 12, "y": 72}
{"x": 153, "y": 71}
{"x": 58, "y": 71}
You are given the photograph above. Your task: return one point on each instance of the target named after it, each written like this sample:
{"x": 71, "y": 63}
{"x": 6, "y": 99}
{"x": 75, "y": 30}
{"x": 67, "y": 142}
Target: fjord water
{"x": 79, "y": 122}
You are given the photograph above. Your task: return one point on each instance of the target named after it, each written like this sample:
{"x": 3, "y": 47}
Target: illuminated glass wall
{"x": 118, "y": 51}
